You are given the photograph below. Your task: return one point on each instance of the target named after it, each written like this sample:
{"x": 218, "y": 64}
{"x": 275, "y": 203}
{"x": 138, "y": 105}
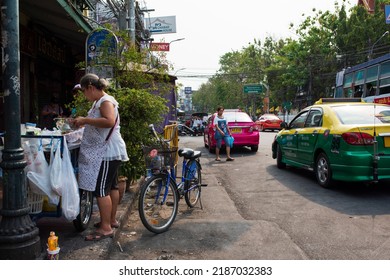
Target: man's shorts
{"x": 219, "y": 141}
{"x": 108, "y": 178}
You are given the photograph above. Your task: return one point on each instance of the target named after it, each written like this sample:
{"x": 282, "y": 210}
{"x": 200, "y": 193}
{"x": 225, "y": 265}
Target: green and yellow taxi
{"x": 338, "y": 139}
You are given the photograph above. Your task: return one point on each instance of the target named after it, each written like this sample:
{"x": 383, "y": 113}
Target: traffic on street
{"x": 253, "y": 210}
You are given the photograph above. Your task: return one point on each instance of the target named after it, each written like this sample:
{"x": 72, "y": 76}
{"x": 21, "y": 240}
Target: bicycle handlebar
{"x": 153, "y": 131}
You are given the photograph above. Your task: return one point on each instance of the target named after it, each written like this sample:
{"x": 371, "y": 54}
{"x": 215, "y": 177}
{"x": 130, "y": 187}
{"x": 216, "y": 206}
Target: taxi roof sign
{"x": 338, "y": 100}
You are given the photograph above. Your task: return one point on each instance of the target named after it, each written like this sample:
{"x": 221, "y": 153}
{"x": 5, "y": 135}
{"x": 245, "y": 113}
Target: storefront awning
{"x": 59, "y": 17}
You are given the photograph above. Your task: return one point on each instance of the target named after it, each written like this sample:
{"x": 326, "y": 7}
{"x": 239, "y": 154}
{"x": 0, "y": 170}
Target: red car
{"x": 269, "y": 121}
{"x": 244, "y": 131}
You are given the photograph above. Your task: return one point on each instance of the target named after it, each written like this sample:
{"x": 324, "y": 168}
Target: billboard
{"x": 161, "y": 25}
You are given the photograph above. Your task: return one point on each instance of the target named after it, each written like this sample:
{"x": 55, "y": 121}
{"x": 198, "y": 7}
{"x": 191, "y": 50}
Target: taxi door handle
{"x": 315, "y": 131}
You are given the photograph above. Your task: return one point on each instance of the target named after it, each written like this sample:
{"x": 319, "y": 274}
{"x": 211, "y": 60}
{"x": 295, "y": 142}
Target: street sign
{"x": 387, "y": 14}
{"x": 159, "y": 47}
{"x": 253, "y": 88}
{"x": 100, "y": 44}
{"x": 187, "y": 90}
{"x": 287, "y": 105}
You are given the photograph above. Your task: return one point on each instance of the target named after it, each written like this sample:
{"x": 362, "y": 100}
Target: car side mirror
{"x": 283, "y": 125}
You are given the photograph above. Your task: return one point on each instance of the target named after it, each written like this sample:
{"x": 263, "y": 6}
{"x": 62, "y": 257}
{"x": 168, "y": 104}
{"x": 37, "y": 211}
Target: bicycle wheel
{"x": 192, "y": 186}
{"x": 158, "y": 203}
{"x": 86, "y": 204}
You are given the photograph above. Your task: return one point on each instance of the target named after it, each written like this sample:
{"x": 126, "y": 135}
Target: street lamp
{"x": 373, "y": 45}
{"x": 176, "y": 40}
{"x": 178, "y": 71}
{"x": 19, "y": 236}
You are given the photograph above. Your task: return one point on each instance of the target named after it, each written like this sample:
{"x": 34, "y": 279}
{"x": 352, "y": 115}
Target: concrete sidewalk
{"x": 71, "y": 242}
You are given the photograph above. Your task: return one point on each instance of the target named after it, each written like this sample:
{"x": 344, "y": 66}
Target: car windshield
{"x": 366, "y": 114}
{"x": 237, "y": 117}
{"x": 269, "y": 117}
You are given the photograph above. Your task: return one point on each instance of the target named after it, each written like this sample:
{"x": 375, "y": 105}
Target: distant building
{"x": 370, "y": 4}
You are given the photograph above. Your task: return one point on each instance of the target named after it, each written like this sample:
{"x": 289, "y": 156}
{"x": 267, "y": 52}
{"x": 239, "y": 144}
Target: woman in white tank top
{"x": 101, "y": 151}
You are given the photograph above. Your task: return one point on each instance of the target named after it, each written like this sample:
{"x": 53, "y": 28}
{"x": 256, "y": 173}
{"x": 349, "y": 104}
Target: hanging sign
{"x": 159, "y": 47}
{"x": 161, "y": 25}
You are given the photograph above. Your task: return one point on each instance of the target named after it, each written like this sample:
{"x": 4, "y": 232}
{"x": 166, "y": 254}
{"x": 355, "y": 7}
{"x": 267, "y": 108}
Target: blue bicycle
{"x": 160, "y": 194}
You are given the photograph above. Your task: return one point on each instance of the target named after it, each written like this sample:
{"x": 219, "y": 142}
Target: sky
{"x": 211, "y": 28}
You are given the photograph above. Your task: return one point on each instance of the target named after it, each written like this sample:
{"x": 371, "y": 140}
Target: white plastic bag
{"x": 70, "y": 190}
{"x": 56, "y": 177}
{"x": 38, "y": 177}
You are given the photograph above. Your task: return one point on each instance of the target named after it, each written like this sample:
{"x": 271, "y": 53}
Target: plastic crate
{"x": 35, "y": 201}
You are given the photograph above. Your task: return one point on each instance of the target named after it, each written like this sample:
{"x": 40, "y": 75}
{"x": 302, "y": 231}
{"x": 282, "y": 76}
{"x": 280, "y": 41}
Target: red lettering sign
{"x": 159, "y": 47}
{"x": 383, "y": 100}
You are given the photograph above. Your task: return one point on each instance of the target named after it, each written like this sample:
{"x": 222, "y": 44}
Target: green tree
{"x": 300, "y": 70}
{"x": 140, "y": 86}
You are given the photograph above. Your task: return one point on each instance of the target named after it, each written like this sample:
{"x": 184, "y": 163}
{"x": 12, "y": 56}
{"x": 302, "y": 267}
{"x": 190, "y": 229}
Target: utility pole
{"x": 19, "y": 237}
{"x": 131, "y": 20}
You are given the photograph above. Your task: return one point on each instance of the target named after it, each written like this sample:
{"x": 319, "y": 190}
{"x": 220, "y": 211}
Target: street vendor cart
{"x": 38, "y": 201}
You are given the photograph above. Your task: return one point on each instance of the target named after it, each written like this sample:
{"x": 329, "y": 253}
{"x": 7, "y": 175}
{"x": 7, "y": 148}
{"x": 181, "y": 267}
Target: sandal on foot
{"x": 229, "y": 159}
{"x": 97, "y": 225}
{"x": 217, "y": 159}
{"x": 97, "y": 236}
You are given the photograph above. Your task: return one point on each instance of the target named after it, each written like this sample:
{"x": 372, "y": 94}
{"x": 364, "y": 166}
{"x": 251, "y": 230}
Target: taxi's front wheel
{"x": 323, "y": 171}
{"x": 279, "y": 158}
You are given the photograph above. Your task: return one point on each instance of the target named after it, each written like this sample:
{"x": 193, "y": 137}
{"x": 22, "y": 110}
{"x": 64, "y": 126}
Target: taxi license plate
{"x": 387, "y": 141}
{"x": 236, "y": 130}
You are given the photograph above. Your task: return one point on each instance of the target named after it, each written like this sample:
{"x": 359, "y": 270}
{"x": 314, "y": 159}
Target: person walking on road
{"x": 101, "y": 152}
{"x": 222, "y": 131}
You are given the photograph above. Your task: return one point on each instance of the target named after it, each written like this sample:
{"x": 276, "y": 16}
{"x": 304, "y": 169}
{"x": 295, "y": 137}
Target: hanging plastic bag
{"x": 230, "y": 141}
{"x": 38, "y": 177}
{"x": 70, "y": 190}
{"x": 30, "y": 154}
{"x": 56, "y": 177}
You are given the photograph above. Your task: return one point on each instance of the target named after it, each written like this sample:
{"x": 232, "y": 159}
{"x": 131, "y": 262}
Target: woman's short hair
{"x": 94, "y": 80}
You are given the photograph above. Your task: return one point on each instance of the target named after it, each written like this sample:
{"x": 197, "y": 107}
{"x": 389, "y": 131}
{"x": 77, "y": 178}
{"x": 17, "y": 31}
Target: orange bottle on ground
{"x": 52, "y": 241}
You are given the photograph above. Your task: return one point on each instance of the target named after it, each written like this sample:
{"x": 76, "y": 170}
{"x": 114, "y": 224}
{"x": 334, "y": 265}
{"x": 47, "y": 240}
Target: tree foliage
{"x": 300, "y": 70}
{"x": 139, "y": 86}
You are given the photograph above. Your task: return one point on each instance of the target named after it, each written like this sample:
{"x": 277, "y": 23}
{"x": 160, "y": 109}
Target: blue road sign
{"x": 100, "y": 44}
{"x": 187, "y": 90}
{"x": 387, "y": 14}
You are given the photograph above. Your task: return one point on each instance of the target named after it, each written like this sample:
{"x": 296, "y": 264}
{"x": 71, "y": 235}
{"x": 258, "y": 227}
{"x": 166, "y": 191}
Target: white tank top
{"x": 116, "y": 147}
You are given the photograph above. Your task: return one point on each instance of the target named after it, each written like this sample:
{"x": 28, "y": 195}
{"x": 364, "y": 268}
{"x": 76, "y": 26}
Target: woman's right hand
{"x": 79, "y": 121}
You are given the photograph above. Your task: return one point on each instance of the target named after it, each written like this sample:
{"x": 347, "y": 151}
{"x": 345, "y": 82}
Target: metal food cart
{"x": 86, "y": 197}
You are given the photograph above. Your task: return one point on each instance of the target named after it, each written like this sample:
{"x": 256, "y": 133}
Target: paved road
{"x": 252, "y": 210}
{"x": 217, "y": 232}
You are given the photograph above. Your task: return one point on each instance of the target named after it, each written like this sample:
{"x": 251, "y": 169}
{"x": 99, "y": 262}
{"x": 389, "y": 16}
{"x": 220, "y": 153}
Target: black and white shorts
{"x": 108, "y": 178}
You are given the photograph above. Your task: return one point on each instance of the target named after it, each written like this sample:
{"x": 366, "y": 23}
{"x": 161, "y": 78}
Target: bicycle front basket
{"x": 159, "y": 158}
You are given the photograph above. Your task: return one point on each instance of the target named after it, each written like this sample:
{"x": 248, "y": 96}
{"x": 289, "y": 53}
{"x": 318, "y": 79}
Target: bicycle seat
{"x": 188, "y": 153}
